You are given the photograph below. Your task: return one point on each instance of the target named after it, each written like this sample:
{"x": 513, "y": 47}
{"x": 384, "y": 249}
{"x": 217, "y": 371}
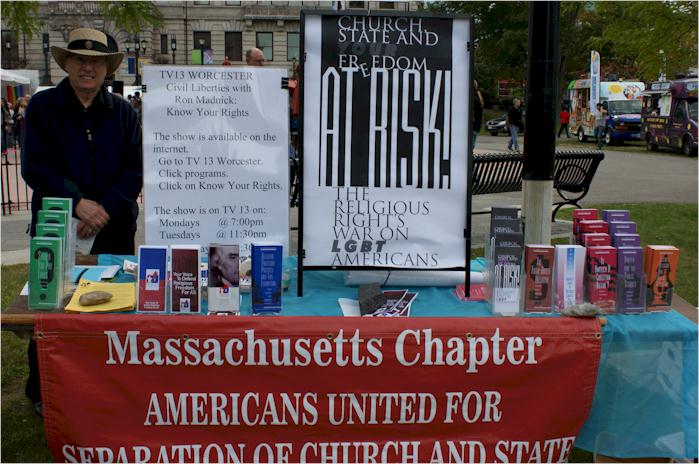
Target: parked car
{"x": 497, "y": 125}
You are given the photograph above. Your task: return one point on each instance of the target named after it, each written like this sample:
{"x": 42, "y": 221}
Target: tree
{"x": 501, "y": 37}
{"x": 133, "y": 17}
{"x": 21, "y": 18}
{"x": 636, "y": 32}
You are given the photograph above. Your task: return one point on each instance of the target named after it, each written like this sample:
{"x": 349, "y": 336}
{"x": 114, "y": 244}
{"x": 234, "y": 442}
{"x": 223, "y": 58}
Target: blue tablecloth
{"x": 645, "y": 401}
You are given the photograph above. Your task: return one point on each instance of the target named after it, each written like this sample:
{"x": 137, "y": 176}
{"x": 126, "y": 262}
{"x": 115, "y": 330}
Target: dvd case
{"x": 506, "y": 280}
{"x": 630, "y": 280}
{"x": 504, "y": 212}
{"x": 610, "y": 215}
{"x": 583, "y": 215}
{"x": 661, "y": 272}
{"x": 601, "y": 276}
{"x": 538, "y": 282}
{"x": 595, "y": 239}
{"x": 569, "y": 270}
{"x": 622, "y": 227}
{"x": 626, "y": 240}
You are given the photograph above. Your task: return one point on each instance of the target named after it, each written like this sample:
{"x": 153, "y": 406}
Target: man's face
{"x": 257, "y": 58}
{"x": 227, "y": 264}
{"x": 518, "y": 102}
{"x": 86, "y": 73}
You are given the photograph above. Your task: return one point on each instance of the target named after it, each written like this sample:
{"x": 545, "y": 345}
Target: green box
{"x": 59, "y": 204}
{"x": 46, "y": 273}
{"x": 59, "y": 231}
{"x": 51, "y": 230}
{"x": 52, "y": 217}
{"x": 64, "y": 218}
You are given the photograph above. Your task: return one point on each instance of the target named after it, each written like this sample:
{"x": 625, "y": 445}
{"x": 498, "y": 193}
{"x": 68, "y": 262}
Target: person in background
{"x": 477, "y": 111}
{"x": 6, "y": 125}
{"x": 564, "y": 117}
{"x": 514, "y": 123}
{"x": 599, "y": 116}
{"x": 136, "y": 104}
{"x": 18, "y": 119}
{"x": 226, "y": 61}
{"x": 80, "y": 142}
{"x": 254, "y": 57}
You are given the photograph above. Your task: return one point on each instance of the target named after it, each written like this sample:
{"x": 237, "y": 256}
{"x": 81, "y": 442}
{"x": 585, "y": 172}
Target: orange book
{"x": 660, "y": 264}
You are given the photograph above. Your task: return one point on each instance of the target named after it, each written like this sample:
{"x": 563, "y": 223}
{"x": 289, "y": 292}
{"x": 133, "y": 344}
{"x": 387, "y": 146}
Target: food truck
{"x": 622, "y": 99}
{"x": 669, "y": 116}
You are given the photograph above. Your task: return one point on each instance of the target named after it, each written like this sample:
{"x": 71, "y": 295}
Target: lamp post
{"x": 173, "y": 47}
{"x": 47, "y": 72}
{"x": 137, "y": 49}
{"x": 201, "y": 49}
{"x": 664, "y": 60}
{"x": 8, "y": 47}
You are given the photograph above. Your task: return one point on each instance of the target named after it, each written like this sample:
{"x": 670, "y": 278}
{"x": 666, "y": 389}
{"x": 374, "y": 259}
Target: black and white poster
{"x": 386, "y": 140}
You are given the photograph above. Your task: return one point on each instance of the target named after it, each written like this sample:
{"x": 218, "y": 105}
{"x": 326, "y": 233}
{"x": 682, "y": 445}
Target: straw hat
{"x": 88, "y": 42}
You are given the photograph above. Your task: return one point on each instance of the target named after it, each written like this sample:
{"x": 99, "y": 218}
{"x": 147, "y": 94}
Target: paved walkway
{"x": 624, "y": 176}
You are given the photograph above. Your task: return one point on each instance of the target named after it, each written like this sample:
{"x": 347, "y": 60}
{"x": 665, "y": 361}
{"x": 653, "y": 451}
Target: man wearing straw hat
{"x": 83, "y": 143}
{"x": 80, "y": 142}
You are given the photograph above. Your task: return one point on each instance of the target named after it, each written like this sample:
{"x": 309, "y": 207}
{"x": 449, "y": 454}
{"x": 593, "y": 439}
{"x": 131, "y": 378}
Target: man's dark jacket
{"x": 94, "y": 153}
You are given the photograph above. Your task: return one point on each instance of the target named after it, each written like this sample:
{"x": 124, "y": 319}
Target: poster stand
{"x": 410, "y": 18}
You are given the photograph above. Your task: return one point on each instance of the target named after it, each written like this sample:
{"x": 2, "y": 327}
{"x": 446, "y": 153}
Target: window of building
{"x": 233, "y": 3}
{"x": 199, "y": 36}
{"x": 264, "y": 43}
{"x": 234, "y": 46}
{"x": 387, "y": 5}
{"x": 292, "y": 46}
{"x": 356, "y": 4}
{"x": 10, "y": 55}
{"x": 164, "y": 45}
{"x": 202, "y": 42}
{"x": 201, "y": 2}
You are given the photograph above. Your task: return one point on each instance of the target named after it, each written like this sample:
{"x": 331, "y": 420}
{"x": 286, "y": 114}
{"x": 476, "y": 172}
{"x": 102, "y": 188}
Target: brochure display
{"x": 385, "y": 141}
{"x": 152, "y": 279}
{"x": 215, "y": 155}
{"x": 185, "y": 289}
{"x": 224, "y": 279}
{"x": 46, "y": 273}
{"x": 266, "y": 278}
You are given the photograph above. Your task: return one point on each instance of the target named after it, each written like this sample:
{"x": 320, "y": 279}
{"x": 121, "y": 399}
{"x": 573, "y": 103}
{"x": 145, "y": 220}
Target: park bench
{"x": 502, "y": 172}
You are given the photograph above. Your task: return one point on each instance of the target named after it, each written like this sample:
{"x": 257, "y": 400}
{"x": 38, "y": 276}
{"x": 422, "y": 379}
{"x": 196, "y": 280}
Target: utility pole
{"x": 542, "y": 107}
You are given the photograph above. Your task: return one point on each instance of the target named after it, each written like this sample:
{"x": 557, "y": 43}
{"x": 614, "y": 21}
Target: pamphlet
{"x": 152, "y": 288}
{"x": 224, "y": 279}
{"x": 185, "y": 292}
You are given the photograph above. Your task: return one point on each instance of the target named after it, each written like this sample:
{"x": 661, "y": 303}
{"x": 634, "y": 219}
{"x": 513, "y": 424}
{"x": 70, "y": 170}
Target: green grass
{"x": 22, "y": 430}
{"x": 666, "y": 224}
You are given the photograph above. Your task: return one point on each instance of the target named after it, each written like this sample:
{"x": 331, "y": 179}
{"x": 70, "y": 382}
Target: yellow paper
{"x": 123, "y": 297}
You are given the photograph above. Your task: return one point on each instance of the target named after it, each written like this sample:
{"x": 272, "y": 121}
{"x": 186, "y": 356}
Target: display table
{"x": 645, "y": 400}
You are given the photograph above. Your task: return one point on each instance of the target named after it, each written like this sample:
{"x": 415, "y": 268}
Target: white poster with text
{"x": 215, "y": 155}
{"x": 386, "y": 142}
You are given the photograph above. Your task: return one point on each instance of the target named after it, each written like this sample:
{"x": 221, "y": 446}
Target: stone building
{"x": 189, "y": 31}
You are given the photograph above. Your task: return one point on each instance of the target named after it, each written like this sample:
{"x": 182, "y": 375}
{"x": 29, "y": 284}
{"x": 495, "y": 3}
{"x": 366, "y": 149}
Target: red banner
{"x": 120, "y": 388}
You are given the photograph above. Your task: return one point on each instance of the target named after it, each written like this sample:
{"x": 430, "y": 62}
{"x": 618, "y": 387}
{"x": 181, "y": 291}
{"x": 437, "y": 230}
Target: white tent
{"x": 12, "y": 78}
